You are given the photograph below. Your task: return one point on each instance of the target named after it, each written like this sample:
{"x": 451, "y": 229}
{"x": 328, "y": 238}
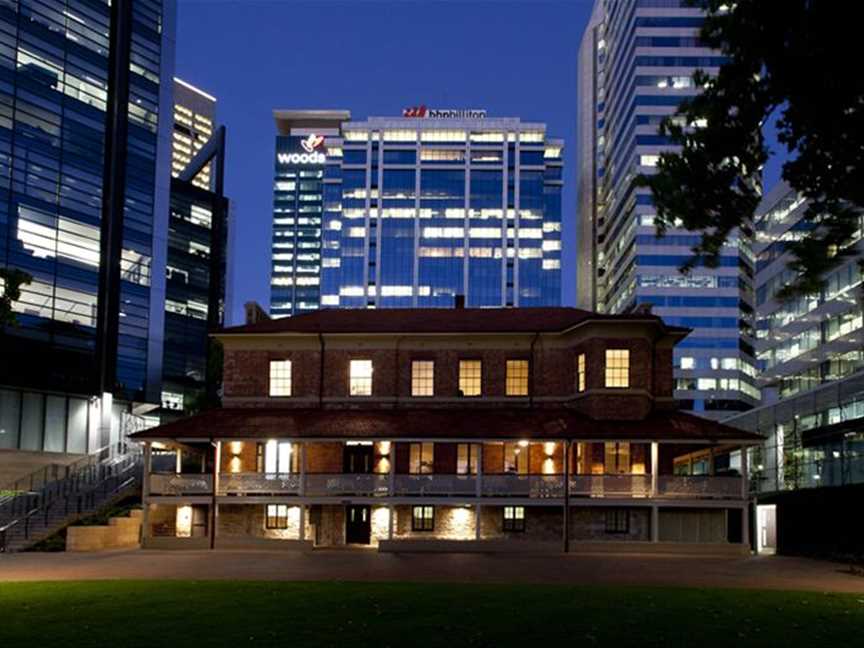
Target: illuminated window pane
{"x": 277, "y": 516}
{"x": 360, "y": 378}
{"x": 470, "y": 377}
{"x": 517, "y": 378}
{"x": 514, "y": 518}
{"x": 280, "y": 377}
{"x": 422, "y": 378}
{"x": 580, "y": 372}
{"x": 423, "y": 518}
{"x": 617, "y": 367}
{"x": 421, "y": 458}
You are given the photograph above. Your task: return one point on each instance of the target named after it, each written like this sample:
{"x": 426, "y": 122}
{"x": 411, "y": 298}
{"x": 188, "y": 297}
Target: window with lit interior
{"x": 421, "y": 458}
{"x": 422, "y": 378}
{"x": 517, "y": 378}
{"x": 470, "y": 377}
{"x": 580, "y": 372}
{"x": 423, "y": 518}
{"x": 280, "y": 377}
{"x": 514, "y": 518}
{"x": 360, "y": 378}
{"x": 277, "y": 516}
{"x": 617, "y": 367}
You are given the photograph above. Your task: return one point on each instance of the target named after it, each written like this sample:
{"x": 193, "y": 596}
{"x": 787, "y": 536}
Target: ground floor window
{"x": 423, "y": 518}
{"x": 514, "y": 518}
{"x": 617, "y": 521}
{"x": 277, "y": 516}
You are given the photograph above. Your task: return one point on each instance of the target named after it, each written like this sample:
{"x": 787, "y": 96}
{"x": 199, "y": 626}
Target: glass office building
{"x": 197, "y": 255}
{"x": 412, "y": 211}
{"x": 84, "y": 172}
{"x": 637, "y": 59}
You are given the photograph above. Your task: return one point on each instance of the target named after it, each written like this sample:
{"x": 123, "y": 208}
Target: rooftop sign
{"x": 423, "y": 112}
{"x": 311, "y": 154}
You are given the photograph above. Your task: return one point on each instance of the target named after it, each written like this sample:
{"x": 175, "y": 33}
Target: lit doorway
{"x": 766, "y": 529}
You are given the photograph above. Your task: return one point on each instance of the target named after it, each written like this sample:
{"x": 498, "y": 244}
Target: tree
{"x": 790, "y": 61}
{"x": 11, "y": 280}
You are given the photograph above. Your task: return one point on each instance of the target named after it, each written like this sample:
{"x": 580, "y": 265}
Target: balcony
{"x": 181, "y": 484}
{"x": 347, "y": 484}
{"x": 437, "y": 485}
{"x": 531, "y": 486}
{"x": 259, "y": 484}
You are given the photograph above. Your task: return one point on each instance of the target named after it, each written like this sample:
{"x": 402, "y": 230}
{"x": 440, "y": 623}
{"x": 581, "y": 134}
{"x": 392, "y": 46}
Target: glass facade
{"x": 403, "y": 213}
{"x": 636, "y": 65}
{"x": 68, "y": 122}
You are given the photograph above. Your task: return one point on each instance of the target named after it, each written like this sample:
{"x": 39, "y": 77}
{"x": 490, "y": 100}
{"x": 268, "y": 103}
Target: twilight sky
{"x": 513, "y": 58}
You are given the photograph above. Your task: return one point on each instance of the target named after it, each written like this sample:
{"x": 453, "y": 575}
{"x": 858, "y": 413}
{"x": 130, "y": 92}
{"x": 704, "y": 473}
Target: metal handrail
{"x": 72, "y": 488}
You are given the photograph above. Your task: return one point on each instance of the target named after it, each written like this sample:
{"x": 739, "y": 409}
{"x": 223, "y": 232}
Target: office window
{"x": 421, "y": 458}
{"x": 280, "y": 377}
{"x": 466, "y": 459}
{"x": 360, "y": 378}
{"x": 516, "y": 458}
{"x": 514, "y": 518}
{"x": 277, "y": 516}
{"x": 470, "y": 377}
{"x": 617, "y": 521}
{"x": 422, "y": 378}
{"x": 516, "y": 383}
{"x": 423, "y": 518}
{"x": 580, "y": 372}
{"x": 617, "y": 367}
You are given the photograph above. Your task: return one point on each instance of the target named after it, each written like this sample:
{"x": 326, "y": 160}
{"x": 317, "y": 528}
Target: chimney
{"x": 459, "y": 302}
{"x": 254, "y": 313}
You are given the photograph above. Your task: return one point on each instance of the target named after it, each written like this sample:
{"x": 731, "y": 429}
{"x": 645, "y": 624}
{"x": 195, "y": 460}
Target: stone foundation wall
{"x": 244, "y": 520}
{"x": 542, "y": 524}
{"x": 590, "y": 524}
{"x": 451, "y": 523}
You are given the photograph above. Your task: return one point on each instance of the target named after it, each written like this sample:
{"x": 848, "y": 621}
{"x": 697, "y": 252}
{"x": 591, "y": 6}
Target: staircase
{"x": 39, "y": 505}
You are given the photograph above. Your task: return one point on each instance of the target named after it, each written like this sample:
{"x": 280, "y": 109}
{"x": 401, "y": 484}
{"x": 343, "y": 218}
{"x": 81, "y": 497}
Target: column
{"x": 566, "y": 530}
{"x": 479, "y": 482}
{"x": 655, "y": 468}
{"x": 302, "y": 529}
{"x": 392, "y": 474}
{"x": 145, "y": 493}
{"x": 214, "y": 507}
{"x": 391, "y": 521}
{"x": 301, "y": 490}
{"x": 745, "y": 495}
{"x": 711, "y": 461}
{"x": 478, "y": 516}
{"x": 655, "y": 524}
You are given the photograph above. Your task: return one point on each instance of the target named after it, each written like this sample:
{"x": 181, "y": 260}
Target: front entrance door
{"x": 358, "y": 524}
{"x": 358, "y": 458}
{"x": 766, "y": 528}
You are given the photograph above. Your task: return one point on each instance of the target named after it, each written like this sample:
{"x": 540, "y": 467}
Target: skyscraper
{"x": 637, "y": 60}
{"x": 196, "y": 277}
{"x": 84, "y": 163}
{"x": 194, "y": 119}
{"x": 412, "y": 211}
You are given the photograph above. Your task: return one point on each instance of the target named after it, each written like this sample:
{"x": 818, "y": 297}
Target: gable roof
{"x": 439, "y": 320}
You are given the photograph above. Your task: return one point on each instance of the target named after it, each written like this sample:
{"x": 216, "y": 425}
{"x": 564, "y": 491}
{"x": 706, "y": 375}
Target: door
{"x": 358, "y": 524}
{"x": 766, "y": 528}
{"x": 357, "y": 458}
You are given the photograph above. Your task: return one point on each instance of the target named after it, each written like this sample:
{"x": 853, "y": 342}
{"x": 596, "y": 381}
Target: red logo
{"x": 312, "y": 142}
{"x": 414, "y": 111}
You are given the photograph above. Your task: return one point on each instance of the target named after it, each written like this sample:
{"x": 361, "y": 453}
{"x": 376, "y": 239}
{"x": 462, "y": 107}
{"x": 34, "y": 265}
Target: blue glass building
{"x": 85, "y": 128}
{"x": 636, "y": 65}
{"x": 413, "y": 211}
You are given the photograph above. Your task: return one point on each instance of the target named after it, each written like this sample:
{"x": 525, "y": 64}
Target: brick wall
{"x": 451, "y": 523}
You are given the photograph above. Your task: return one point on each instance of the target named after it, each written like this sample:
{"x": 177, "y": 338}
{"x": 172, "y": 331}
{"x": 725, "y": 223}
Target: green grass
{"x": 222, "y": 613}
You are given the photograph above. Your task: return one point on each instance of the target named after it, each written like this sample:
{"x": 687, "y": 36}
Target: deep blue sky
{"x": 516, "y": 59}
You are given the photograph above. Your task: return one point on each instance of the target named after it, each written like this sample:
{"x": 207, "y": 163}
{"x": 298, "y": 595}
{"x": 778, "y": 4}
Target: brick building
{"x": 432, "y": 429}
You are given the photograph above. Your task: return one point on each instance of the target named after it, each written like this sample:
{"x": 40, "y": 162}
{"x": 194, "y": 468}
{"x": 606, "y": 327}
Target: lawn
{"x": 221, "y": 613}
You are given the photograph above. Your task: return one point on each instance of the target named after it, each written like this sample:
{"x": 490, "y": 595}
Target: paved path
{"x": 750, "y": 572}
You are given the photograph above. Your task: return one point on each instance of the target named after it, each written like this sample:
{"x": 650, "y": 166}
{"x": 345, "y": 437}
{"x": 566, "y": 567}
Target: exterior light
{"x": 549, "y": 448}
{"x": 236, "y": 447}
{"x": 523, "y": 443}
{"x": 384, "y": 448}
